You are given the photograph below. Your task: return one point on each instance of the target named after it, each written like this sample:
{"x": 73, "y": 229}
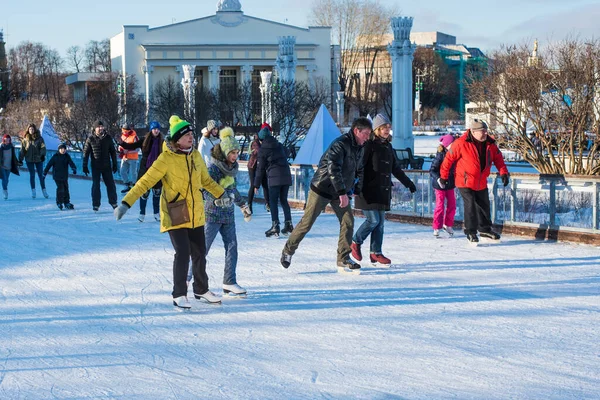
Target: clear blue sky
{"x": 478, "y": 23}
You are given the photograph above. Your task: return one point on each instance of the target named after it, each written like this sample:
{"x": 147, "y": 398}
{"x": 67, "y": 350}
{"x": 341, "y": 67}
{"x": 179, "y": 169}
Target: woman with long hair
{"x": 33, "y": 150}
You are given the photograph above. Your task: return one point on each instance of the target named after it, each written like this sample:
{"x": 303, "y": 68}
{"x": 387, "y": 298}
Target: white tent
{"x": 49, "y": 134}
{"x": 322, "y": 132}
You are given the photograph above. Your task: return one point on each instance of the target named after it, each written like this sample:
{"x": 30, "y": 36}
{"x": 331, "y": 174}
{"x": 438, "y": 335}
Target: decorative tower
{"x": 265, "y": 94}
{"x": 286, "y": 59}
{"x": 189, "y": 83}
{"x": 3, "y": 72}
{"x": 402, "y": 51}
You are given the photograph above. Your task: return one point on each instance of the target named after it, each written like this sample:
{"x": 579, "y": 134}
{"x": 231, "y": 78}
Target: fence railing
{"x": 530, "y": 200}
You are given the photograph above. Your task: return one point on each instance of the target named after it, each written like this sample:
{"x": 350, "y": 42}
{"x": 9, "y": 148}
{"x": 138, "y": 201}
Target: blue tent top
{"x": 322, "y": 132}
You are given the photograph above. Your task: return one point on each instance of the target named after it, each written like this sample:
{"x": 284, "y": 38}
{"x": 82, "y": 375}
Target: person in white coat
{"x": 210, "y": 138}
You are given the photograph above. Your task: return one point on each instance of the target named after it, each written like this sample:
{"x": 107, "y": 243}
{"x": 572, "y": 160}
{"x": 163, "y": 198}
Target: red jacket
{"x": 464, "y": 153}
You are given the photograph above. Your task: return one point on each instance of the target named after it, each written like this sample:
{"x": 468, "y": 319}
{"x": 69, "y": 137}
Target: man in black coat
{"x": 101, "y": 147}
{"x": 332, "y": 183}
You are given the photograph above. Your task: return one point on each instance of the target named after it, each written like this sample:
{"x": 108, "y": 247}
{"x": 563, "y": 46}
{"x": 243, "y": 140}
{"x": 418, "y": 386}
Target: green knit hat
{"x": 177, "y": 128}
{"x": 228, "y": 142}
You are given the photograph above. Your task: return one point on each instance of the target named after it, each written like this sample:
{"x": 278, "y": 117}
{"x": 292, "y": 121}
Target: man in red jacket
{"x": 474, "y": 152}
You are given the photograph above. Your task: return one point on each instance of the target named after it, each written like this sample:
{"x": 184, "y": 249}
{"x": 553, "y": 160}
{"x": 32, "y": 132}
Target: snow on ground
{"x": 85, "y": 313}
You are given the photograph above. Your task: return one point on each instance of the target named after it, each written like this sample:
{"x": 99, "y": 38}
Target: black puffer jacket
{"x": 61, "y": 164}
{"x": 378, "y": 163}
{"x": 33, "y": 148}
{"x": 103, "y": 152}
{"x": 273, "y": 162}
{"x": 338, "y": 168}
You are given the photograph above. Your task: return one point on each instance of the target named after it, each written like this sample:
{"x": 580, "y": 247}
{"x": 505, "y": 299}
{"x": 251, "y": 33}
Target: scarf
{"x": 229, "y": 172}
{"x": 154, "y": 150}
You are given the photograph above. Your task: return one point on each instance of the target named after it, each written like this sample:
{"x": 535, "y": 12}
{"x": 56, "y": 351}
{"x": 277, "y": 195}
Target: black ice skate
{"x": 490, "y": 235}
{"x": 287, "y": 228}
{"x": 472, "y": 238}
{"x": 348, "y": 266}
{"x": 274, "y": 231}
{"x": 286, "y": 259}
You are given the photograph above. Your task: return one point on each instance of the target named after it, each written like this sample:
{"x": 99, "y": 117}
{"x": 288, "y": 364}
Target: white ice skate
{"x": 182, "y": 302}
{"x": 233, "y": 290}
{"x": 141, "y": 217}
{"x": 209, "y": 297}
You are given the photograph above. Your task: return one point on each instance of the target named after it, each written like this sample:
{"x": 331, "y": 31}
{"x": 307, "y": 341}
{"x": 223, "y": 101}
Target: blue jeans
{"x": 5, "y": 174}
{"x": 155, "y": 201}
{"x": 228, "y": 235}
{"x": 373, "y": 226}
{"x": 33, "y": 167}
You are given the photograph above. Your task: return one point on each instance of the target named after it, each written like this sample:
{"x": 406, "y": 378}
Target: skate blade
{"x": 473, "y": 244}
{"x": 180, "y": 308}
{"x": 231, "y": 295}
{"x": 346, "y": 271}
{"x": 380, "y": 265}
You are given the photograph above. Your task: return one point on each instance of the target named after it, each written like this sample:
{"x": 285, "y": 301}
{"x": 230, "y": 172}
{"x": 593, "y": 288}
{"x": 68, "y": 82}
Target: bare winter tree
{"x": 97, "y": 56}
{"x": 360, "y": 27}
{"x": 36, "y": 73}
{"x": 75, "y": 58}
{"x": 166, "y": 100}
{"x": 556, "y": 95}
{"x": 295, "y": 105}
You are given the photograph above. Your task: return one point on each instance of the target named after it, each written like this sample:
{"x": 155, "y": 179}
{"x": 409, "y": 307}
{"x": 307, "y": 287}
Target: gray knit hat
{"x": 380, "y": 120}
{"x": 477, "y": 124}
{"x": 211, "y": 124}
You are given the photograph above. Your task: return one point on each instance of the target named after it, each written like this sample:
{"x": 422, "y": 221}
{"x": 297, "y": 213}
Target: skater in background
{"x": 331, "y": 184}
{"x": 473, "y": 153}
{"x": 445, "y": 199}
{"x": 101, "y": 148}
{"x": 272, "y": 162}
{"x": 152, "y": 146}
{"x": 209, "y": 139}
{"x": 8, "y": 163}
{"x": 183, "y": 175}
{"x": 33, "y": 150}
{"x": 377, "y": 164}
{"x": 129, "y": 158}
{"x": 60, "y": 163}
{"x": 220, "y": 218}
{"x": 254, "y": 148}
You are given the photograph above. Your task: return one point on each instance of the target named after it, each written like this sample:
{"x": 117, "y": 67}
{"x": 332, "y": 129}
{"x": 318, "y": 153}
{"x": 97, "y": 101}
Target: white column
{"x": 188, "y": 83}
{"x": 213, "y": 77}
{"x": 265, "y": 93}
{"x": 339, "y": 101}
{"x": 246, "y": 72}
{"x": 310, "y": 69}
{"x": 146, "y": 70}
{"x": 401, "y": 51}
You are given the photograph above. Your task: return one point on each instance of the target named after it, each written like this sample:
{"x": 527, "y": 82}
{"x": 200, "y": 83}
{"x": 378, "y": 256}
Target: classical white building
{"x": 226, "y": 48}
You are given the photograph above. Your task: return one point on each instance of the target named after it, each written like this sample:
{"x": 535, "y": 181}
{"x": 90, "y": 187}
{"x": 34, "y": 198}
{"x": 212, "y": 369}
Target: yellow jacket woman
{"x": 183, "y": 174}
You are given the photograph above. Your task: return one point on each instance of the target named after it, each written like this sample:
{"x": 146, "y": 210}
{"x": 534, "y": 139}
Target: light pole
{"x": 418, "y": 88}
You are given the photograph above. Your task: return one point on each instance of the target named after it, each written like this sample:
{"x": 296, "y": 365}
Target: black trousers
{"x": 279, "y": 194}
{"x": 189, "y": 242}
{"x": 265, "y": 186}
{"x": 109, "y": 182}
{"x": 62, "y": 191}
{"x": 477, "y": 210}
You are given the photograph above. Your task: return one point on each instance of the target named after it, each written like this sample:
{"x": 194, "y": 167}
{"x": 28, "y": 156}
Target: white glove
{"x": 120, "y": 211}
{"x": 439, "y": 181}
{"x": 224, "y": 201}
{"x": 247, "y": 213}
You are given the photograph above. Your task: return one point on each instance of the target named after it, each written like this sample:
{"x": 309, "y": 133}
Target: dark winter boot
{"x": 274, "y": 231}
{"x": 69, "y": 206}
{"x": 59, "y": 205}
{"x": 287, "y": 228}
